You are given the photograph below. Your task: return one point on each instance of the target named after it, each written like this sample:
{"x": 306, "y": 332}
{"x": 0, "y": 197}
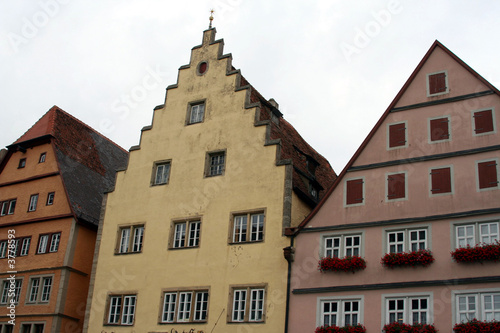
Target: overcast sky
{"x": 333, "y": 66}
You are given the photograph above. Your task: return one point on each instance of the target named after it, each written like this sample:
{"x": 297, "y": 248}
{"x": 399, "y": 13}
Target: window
{"x": 42, "y": 158}
{"x": 185, "y": 306}
{"x": 50, "y": 198}
{"x": 247, "y": 304}
{"x": 483, "y": 121}
{"x": 399, "y": 241}
{"x": 481, "y": 306}
{"x": 487, "y": 174}
{"x": 196, "y": 113}
{"x": 215, "y": 163}
{"x": 396, "y": 186}
{"x": 39, "y": 290}
{"x": 25, "y": 246}
{"x": 354, "y": 191}
{"x": 8, "y": 207}
{"x": 440, "y": 180}
{"x": 476, "y": 233}
{"x": 11, "y": 289}
{"x": 161, "y": 173}
{"x": 6, "y": 328}
{"x": 49, "y": 242}
{"x": 32, "y": 328}
{"x": 248, "y": 227}
{"x": 130, "y": 239}
{"x": 33, "y": 202}
{"x": 437, "y": 83}
{"x": 396, "y": 134}
{"x": 439, "y": 129}
{"x": 186, "y": 234}
{"x": 22, "y": 163}
{"x": 21, "y": 246}
{"x": 3, "y": 249}
{"x": 342, "y": 246}
{"x": 121, "y": 310}
{"x": 339, "y": 312}
{"x": 408, "y": 309}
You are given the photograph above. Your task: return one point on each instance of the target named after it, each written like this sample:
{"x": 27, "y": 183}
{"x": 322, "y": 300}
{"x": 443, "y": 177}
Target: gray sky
{"x": 333, "y": 66}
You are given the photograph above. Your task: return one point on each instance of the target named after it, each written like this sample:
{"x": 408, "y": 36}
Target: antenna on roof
{"x": 211, "y": 18}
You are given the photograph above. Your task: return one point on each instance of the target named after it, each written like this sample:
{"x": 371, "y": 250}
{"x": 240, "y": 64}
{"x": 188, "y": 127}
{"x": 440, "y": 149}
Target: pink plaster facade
{"x": 431, "y": 293}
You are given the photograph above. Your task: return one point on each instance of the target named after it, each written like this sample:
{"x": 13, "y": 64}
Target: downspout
{"x": 289, "y": 254}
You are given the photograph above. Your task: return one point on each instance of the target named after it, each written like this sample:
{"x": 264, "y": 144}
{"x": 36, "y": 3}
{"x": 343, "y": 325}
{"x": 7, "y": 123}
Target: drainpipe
{"x": 288, "y": 252}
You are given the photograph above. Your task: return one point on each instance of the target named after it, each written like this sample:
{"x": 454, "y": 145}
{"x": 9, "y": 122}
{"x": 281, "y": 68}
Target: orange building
{"x": 52, "y": 181}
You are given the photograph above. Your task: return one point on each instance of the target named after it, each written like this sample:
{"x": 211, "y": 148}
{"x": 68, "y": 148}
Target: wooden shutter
{"x": 483, "y": 121}
{"x": 397, "y": 135}
{"x": 354, "y": 191}
{"x": 440, "y": 129}
{"x": 441, "y": 180}
{"x": 396, "y": 186}
{"x": 437, "y": 83}
{"x": 487, "y": 172}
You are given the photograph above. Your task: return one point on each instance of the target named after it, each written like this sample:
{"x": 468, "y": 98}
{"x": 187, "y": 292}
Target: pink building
{"x": 422, "y": 184}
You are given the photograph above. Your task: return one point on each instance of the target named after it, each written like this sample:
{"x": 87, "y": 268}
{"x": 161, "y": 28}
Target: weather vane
{"x": 211, "y": 18}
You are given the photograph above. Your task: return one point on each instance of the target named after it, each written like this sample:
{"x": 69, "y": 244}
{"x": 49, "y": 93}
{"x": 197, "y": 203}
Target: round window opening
{"x": 202, "y": 67}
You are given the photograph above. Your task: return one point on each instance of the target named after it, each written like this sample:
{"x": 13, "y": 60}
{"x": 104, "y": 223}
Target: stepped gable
{"x": 87, "y": 160}
{"x": 395, "y": 107}
{"x": 309, "y": 167}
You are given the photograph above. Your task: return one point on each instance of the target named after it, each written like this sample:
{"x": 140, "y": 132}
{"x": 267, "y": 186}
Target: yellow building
{"x": 193, "y": 234}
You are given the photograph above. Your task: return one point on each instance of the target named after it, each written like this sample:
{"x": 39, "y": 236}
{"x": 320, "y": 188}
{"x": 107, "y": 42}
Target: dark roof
{"x": 434, "y": 46}
{"x": 87, "y": 160}
{"x": 309, "y": 167}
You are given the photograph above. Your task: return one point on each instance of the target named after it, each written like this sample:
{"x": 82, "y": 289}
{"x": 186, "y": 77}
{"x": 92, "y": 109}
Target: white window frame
{"x": 122, "y": 312}
{"x": 50, "y": 198}
{"x": 185, "y": 306}
{"x": 186, "y": 234}
{"x": 407, "y": 310}
{"x": 130, "y": 239}
{"x": 214, "y": 170}
{"x": 341, "y": 312}
{"x": 493, "y": 119}
{"x": 196, "y": 112}
{"x": 33, "y": 203}
{"x": 247, "y": 304}
{"x": 446, "y": 82}
{"x": 164, "y": 167}
{"x": 248, "y": 227}
{"x": 407, "y": 242}
{"x": 4, "y": 296}
{"x": 478, "y": 311}
{"x": 388, "y": 135}
{"x": 475, "y": 237}
{"x": 3, "y": 249}
{"x": 343, "y": 247}
{"x": 25, "y": 246}
{"x": 42, "y": 158}
{"x": 48, "y": 243}
{"x": 40, "y": 288}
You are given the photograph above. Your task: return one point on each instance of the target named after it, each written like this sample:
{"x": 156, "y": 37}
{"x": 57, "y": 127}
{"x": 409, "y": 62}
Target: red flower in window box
{"x": 347, "y": 264}
{"x": 478, "y": 253}
{"x": 476, "y": 326}
{"x": 407, "y": 328}
{"x": 345, "y": 329}
{"x": 414, "y": 258}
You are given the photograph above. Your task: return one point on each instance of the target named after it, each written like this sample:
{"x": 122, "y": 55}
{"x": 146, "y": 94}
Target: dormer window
{"x": 22, "y": 163}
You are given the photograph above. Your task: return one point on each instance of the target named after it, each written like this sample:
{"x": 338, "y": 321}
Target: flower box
{"x": 476, "y": 326}
{"x": 414, "y": 258}
{"x": 347, "y": 264}
{"x": 345, "y": 329}
{"x": 407, "y": 328}
{"x": 478, "y": 253}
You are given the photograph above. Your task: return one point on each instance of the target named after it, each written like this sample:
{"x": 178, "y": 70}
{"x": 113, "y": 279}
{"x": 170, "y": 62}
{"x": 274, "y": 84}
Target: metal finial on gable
{"x": 211, "y": 18}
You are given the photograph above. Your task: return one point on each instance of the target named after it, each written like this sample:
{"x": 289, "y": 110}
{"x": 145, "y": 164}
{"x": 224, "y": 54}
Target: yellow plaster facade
{"x": 251, "y": 182}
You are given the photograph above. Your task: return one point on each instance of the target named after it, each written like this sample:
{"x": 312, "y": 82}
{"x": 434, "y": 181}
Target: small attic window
{"x": 22, "y": 163}
{"x": 202, "y": 68}
{"x": 437, "y": 83}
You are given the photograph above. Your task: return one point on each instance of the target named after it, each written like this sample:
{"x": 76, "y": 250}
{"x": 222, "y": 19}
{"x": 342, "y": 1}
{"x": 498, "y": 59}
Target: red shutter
{"x": 487, "y": 172}
{"x": 483, "y": 121}
{"x": 440, "y": 129}
{"x": 396, "y": 186}
{"x": 354, "y": 191}
{"x": 437, "y": 83}
{"x": 397, "y": 135}
{"x": 441, "y": 180}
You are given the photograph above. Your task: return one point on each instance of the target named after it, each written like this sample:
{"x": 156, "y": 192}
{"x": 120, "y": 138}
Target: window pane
{"x": 169, "y": 307}
{"x": 194, "y": 233}
{"x": 239, "y": 303}
{"x": 184, "y": 306}
{"x": 216, "y": 164}
{"x": 201, "y": 309}
{"x": 128, "y": 310}
{"x": 488, "y": 232}
{"x": 35, "y": 285}
{"x": 138, "y": 235}
{"x": 256, "y": 305}
{"x": 180, "y": 235}
{"x": 47, "y": 286}
{"x": 332, "y": 247}
{"x": 330, "y": 313}
{"x": 54, "y": 243}
{"x": 42, "y": 245}
{"x": 240, "y": 228}
{"x": 124, "y": 240}
{"x": 257, "y": 232}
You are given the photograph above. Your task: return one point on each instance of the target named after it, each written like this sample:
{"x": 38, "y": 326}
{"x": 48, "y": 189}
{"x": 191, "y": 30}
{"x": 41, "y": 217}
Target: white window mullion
{"x": 491, "y": 307}
{"x": 239, "y": 304}
{"x": 488, "y": 232}
{"x": 256, "y": 304}
{"x": 396, "y": 310}
{"x": 138, "y": 235}
{"x": 395, "y": 241}
{"x": 329, "y": 313}
{"x": 465, "y": 235}
{"x": 332, "y": 247}
{"x": 169, "y": 303}
{"x": 124, "y": 240}
{"x": 467, "y": 308}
